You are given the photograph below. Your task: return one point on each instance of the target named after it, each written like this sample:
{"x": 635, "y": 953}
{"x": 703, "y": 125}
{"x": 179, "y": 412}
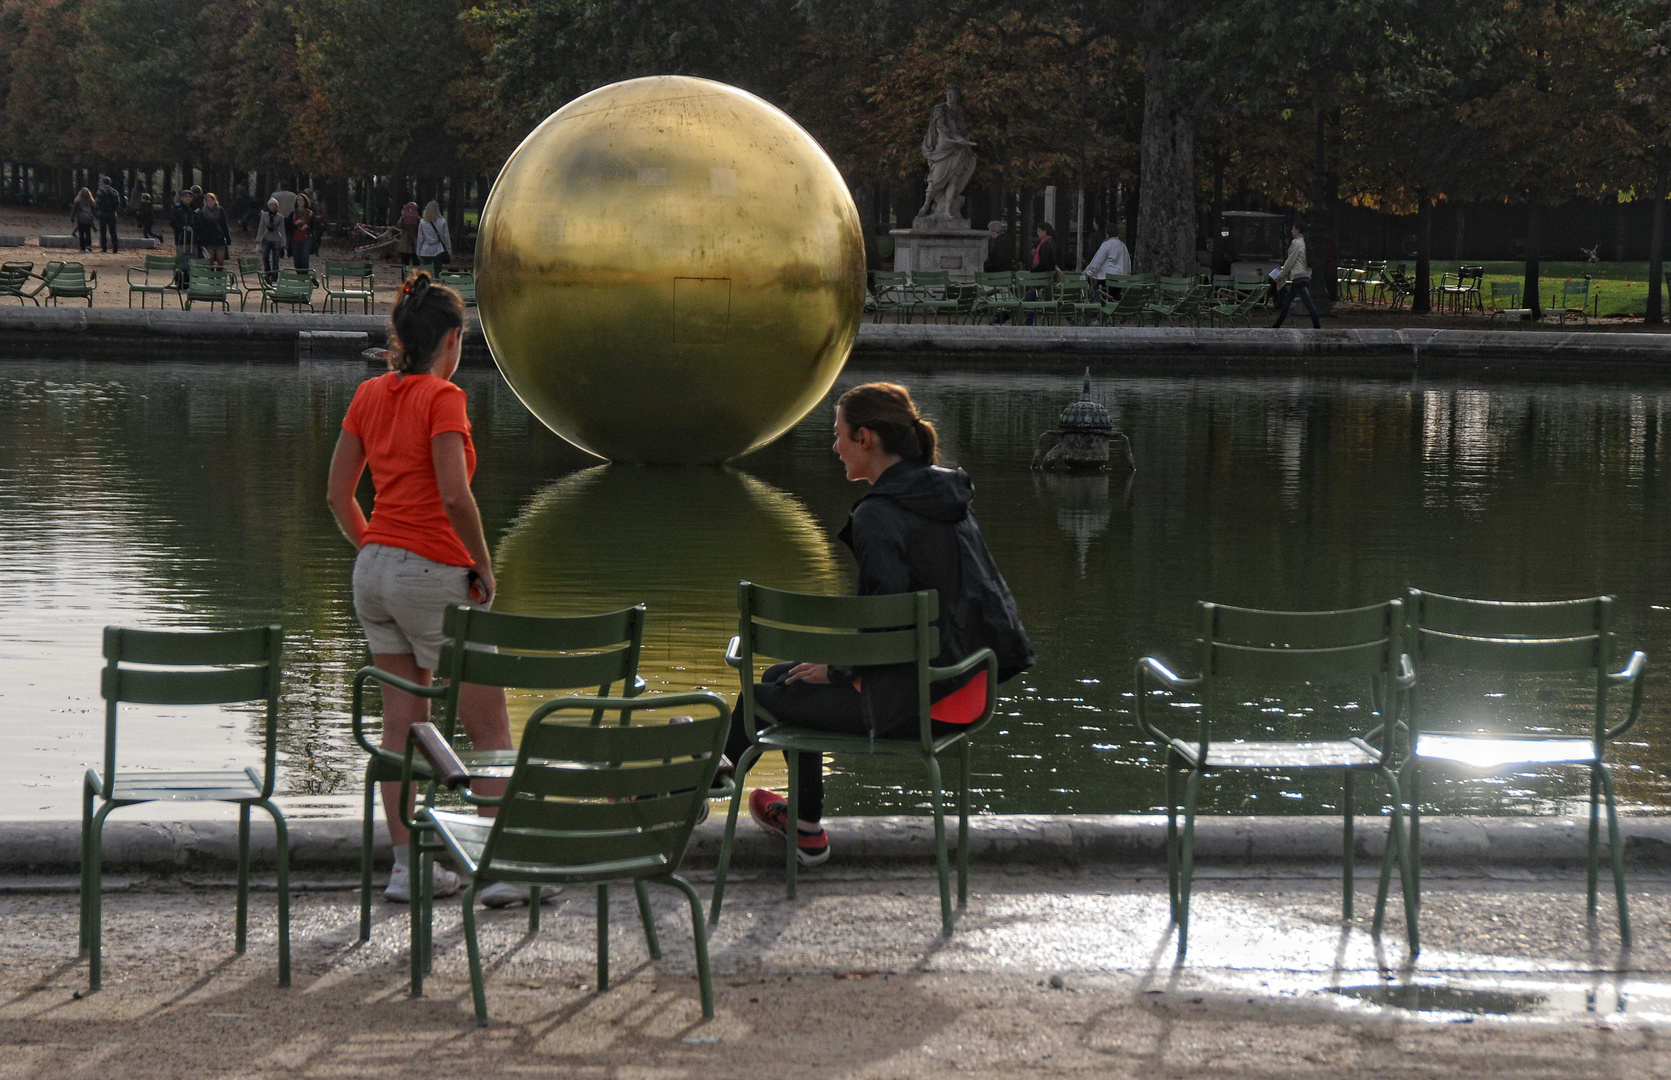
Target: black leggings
{"x": 1303, "y": 287}
{"x": 838, "y": 709}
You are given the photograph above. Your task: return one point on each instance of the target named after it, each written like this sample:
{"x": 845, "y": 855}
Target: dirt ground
{"x": 1063, "y": 974}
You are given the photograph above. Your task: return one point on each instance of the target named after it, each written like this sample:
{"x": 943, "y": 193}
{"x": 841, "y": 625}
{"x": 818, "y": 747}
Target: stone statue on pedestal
{"x": 951, "y": 162}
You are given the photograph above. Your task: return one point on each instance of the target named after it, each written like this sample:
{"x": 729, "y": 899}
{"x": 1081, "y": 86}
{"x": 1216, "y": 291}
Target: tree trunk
{"x": 1656, "y": 249}
{"x": 1534, "y": 246}
{"x": 1421, "y": 303}
{"x": 1129, "y": 202}
{"x": 1320, "y": 241}
{"x": 1166, "y": 218}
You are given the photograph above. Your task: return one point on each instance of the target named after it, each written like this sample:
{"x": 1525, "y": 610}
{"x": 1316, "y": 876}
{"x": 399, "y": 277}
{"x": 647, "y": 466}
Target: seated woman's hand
{"x": 808, "y": 673}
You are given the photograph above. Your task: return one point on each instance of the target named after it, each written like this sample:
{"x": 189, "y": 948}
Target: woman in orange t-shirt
{"x": 423, "y": 549}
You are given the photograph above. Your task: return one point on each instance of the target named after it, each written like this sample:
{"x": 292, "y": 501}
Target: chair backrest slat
{"x": 1508, "y": 619}
{"x": 515, "y": 845}
{"x": 542, "y": 634}
{"x": 576, "y": 671}
{"x": 612, "y": 743}
{"x": 1293, "y": 664}
{"x": 215, "y": 686}
{"x": 1299, "y": 629}
{"x": 1507, "y": 654}
{"x": 817, "y": 647}
{"x": 851, "y": 612}
{"x": 570, "y": 815}
{"x": 182, "y": 648}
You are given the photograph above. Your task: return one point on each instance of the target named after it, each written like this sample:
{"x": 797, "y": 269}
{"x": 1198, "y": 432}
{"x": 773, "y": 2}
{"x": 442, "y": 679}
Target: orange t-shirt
{"x": 395, "y": 417}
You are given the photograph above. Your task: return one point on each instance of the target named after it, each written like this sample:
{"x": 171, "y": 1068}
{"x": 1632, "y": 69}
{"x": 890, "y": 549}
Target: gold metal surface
{"x": 670, "y": 270}
{"x": 598, "y": 540}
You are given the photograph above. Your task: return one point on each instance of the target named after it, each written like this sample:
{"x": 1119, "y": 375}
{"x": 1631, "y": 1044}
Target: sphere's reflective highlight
{"x": 670, "y": 270}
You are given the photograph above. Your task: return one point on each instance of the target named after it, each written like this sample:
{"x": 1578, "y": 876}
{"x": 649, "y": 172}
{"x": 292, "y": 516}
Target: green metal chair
{"x": 1241, "y": 305}
{"x": 185, "y": 668}
{"x": 349, "y": 282}
{"x": 1572, "y": 302}
{"x": 253, "y": 280}
{"x": 587, "y": 803}
{"x": 293, "y": 288}
{"x": 460, "y": 282}
{"x": 1506, "y": 301}
{"x": 1073, "y": 298}
{"x": 1037, "y": 289}
{"x": 855, "y": 631}
{"x": 72, "y": 281}
{"x": 14, "y": 282}
{"x": 997, "y": 295}
{"x": 1292, "y": 648}
{"x": 890, "y": 292}
{"x": 209, "y": 285}
{"x": 1181, "y": 308}
{"x": 1570, "y": 638}
{"x": 528, "y": 652}
{"x": 1132, "y": 304}
{"x": 156, "y": 278}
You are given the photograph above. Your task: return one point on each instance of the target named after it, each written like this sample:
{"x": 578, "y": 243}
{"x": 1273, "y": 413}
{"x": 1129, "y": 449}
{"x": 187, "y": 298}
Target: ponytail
{"x": 887, "y": 410}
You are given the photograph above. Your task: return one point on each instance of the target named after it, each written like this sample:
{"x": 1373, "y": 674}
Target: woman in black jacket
{"x": 212, "y": 229}
{"x": 912, "y": 530}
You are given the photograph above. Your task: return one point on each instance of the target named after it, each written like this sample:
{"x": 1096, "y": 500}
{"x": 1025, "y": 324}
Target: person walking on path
{"x": 109, "y": 202}
{"x": 321, "y": 219}
{"x": 1111, "y": 258}
{"x": 83, "y": 213}
{"x": 1296, "y": 274}
{"x": 1000, "y": 249}
{"x": 433, "y": 242}
{"x": 299, "y": 225}
{"x": 212, "y": 230}
{"x": 912, "y": 530}
{"x": 1044, "y": 259}
{"x": 270, "y": 239}
{"x": 408, "y": 247}
{"x": 423, "y": 549}
{"x": 179, "y": 219}
{"x": 144, "y": 215}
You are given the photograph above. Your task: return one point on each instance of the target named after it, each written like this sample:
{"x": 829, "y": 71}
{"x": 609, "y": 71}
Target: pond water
{"x": 191, "y": 494}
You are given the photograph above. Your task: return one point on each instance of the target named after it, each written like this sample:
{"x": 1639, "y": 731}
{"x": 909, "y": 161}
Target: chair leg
{"x": 87, "y": 793}
{"x": 940, "y": 860}
{"x": 1172, "y": 832}
{"x": 95, "y": 900}
{"x": 416, "y": 873}
{"x": 963, "y": 754}
{"x": 1594, "y": 851}
{"x": 648, "y": 918}
{"x": 1186, "y": 860}
{"x": 1401, "y": 841}
{"x": 603, "y": 938}
{"x": 1617, "y": 843}
{"x": 478, "y": 992}
{"x": 699, "y": 932}
{"x": 281, "y": 837}
{"x": 534, "y": 893}
{"x": 241, "y": 926}
{"x": 367, "y": 839}
{"x": 1348, "y": 849}
{"x": 750, "y": 756}
{"x": 792, "y": 758}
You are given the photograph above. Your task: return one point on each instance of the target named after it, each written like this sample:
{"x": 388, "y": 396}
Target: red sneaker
{"x": 771, "y": 812}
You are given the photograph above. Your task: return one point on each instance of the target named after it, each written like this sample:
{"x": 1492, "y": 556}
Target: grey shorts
{"x": 402, "y": 597}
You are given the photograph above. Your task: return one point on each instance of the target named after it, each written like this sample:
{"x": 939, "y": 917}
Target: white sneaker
{"x": 503, "y": 894}
{"x": 399, "y": 888}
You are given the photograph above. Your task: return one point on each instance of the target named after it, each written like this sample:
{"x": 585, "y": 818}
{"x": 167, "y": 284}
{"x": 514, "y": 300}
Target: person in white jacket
{"x": 1296, "y": 274}
{"x": 1111, "y": 258}
{"x": 270, "y": 239}
{"x": 433, "y": 242}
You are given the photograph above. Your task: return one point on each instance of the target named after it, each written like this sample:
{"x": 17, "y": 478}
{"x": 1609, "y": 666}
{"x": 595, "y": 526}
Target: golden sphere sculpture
{"x": 670, "y": 270}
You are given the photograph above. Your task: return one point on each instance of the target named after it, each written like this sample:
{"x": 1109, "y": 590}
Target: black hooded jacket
{"x": 914, "y": 530}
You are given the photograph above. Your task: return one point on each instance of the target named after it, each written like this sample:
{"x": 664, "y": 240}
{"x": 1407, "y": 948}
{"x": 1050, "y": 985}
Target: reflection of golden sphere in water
{"x": 676, "y": 540}
{"x": 670, "y": 270}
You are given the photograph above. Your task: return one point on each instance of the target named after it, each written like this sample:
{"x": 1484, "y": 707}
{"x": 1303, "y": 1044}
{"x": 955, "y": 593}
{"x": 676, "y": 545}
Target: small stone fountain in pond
{"x": 1083, "y": 433}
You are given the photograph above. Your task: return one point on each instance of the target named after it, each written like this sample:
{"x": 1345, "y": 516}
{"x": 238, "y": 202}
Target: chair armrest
{"x": 1147, "y": 668}
{"x": 450, "y": 772}
{"x": 975, "y": 659}
{"x": 1406, "y": 677}
{"x": 356, "y": 711}
{"x": 734, "y": 652}
{"x": 1632, "y": 674}
{"x": 634, "y": 704}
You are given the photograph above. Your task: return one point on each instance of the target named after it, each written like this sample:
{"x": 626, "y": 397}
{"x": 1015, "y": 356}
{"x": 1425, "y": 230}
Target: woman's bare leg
{"x": 400, "y": 711}
{"x": 486, "y": 720}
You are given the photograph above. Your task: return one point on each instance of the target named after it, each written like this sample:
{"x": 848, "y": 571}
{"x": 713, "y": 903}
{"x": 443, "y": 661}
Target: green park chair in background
{"x": 209, "y": 285}
{"x": 587, "y": 803}
{"x": 1176, "y": 308}
{"x": 1038, "y": 293}
{"x": 1133, "y": 303}
{"x": 1506, "y": 301}
{"x": 587, "y": 652}
{"x": 1073, "y": 294}
{"x": 1565, "y": 646}
{"x": 461, "y": 282}
{"x": 15, "y": 278}
{"x": 293, "y": 289}
{"x": 71, "y": 281}
{"x": 1241, "y": 306}
{"x": 350, "y": 282}
{"x": 156, "y": 278}
{"x": 889, "y": 292}
{"x": 252, "y": 280}
{"x": 1315, "y": 650}
{"x": 185, "y": 668}
{"x": 1572, "y": 301}
{"x": 1374, "y": 281}
{"x": 997, "y": 296}
{"x": 853, "y": 630}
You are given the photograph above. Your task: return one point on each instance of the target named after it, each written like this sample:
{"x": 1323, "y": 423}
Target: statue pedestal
{"x": 947, "y": 244}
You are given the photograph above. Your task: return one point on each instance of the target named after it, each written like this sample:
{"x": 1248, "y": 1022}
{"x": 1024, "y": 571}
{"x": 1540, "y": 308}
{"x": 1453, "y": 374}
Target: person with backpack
{"x": 109, "y": 203}
{"x": 83, "y": 212}
{"x": 913, "y": 530}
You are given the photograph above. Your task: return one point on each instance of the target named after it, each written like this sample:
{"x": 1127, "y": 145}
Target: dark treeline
{"x": 1151, "y": 114}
